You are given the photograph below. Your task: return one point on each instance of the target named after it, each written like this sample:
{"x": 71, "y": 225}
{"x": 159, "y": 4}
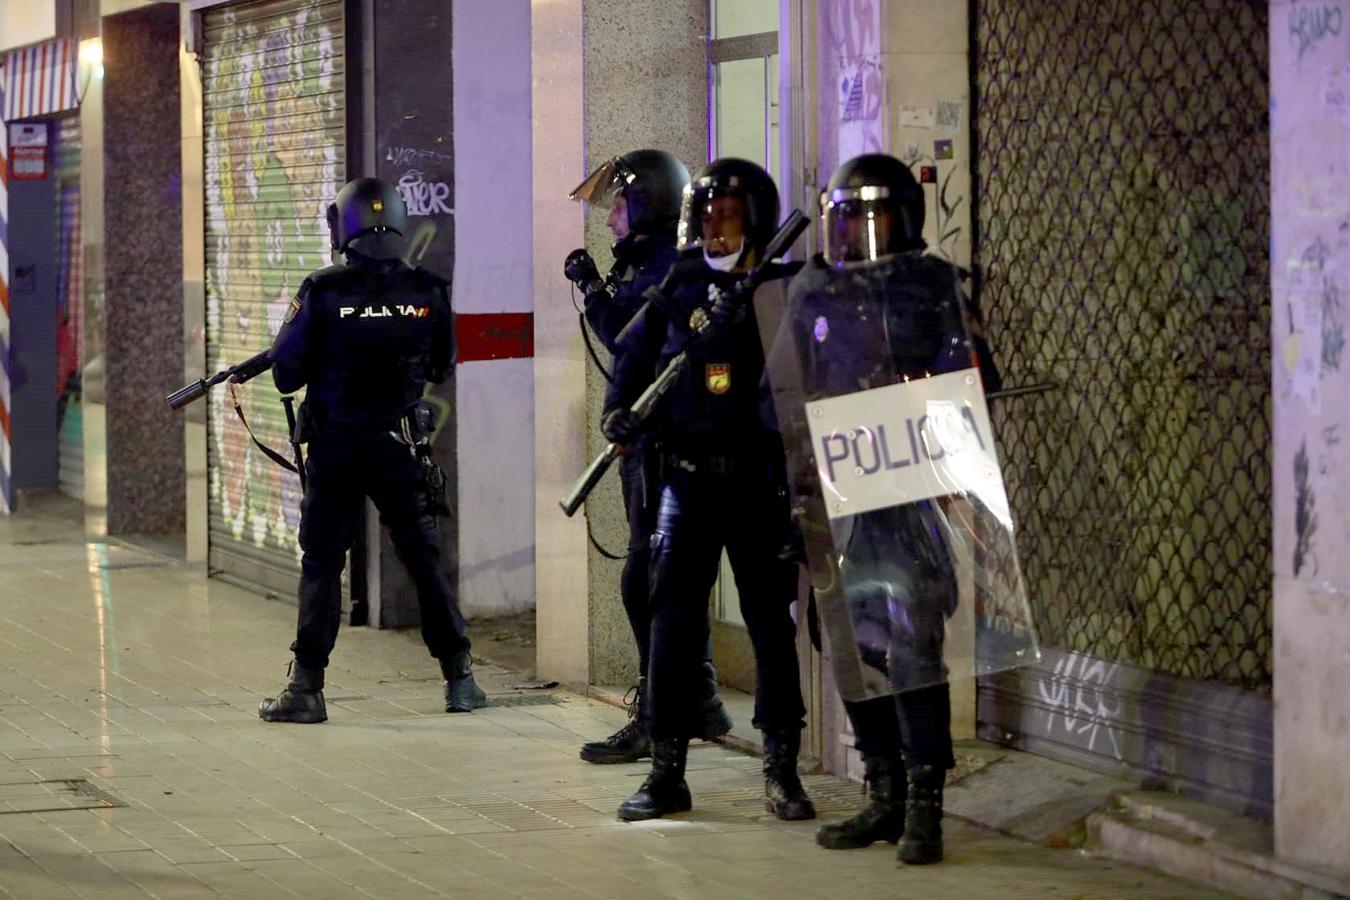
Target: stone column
{"x": 134, "y": 332}
{"x": 559, "y": 364}
{"x": 645, "y": 85}
{"x": 1309, "y": 259}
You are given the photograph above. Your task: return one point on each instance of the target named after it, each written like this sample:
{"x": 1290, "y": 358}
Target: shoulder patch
{"x": 293, "y": 310}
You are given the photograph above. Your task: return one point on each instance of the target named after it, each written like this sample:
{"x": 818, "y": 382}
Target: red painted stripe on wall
{"x": 480, "y": 336}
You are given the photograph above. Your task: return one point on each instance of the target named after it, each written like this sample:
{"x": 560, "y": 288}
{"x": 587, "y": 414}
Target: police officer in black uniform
{"x": 873, "y": 212}
{"x": 722, "y": 485}
{"x": 642, "y": 189}
{"x": 365, "y": 338}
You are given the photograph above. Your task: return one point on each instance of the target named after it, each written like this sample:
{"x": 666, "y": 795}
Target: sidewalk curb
{"x": 1188, "y": 840}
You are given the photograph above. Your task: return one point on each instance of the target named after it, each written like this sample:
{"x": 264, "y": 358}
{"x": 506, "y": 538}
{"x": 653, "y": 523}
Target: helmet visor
{"x": 604, "y": 184}
{"x": 714, "y": 217}
{"x": 858, "y": 225}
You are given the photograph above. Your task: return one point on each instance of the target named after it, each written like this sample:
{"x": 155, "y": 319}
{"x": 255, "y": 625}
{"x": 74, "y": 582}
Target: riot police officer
{"x": 365, "y": 337}
{"x": 721, "y": 485}
{"x": 872, "y": 222}
{"x": 642, "y": 190}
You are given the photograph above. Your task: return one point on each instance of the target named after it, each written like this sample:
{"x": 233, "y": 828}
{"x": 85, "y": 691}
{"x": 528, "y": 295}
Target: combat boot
{"x": 665, "y": 791}
{"x": 784, "y": 795}
{"x": 631, "y": 742}
{"x": 301, "y": 701}
{"x": 716, "y": 720}
{"x": 882, "y": 819}
{"x": 922, "y": 841}
{"x": 462, "y": 693}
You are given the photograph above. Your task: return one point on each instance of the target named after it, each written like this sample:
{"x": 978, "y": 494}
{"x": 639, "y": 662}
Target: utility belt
{"x": 702, "y": 463}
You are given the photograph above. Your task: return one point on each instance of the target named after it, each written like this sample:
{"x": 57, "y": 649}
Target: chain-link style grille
{"x": 1122, "y": 203}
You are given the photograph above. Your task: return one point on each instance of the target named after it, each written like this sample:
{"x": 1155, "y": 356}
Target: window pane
{"x": 733, "y": 17}
{"x": 740, "y": 109}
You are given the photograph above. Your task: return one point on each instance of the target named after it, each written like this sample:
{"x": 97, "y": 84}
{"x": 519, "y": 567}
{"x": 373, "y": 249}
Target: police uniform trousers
{"x": 633, "y": 583}
{"x": 704, "y": 509}
{"x": 342, "y": 470}
{"x": 904, "y": 548}
{"x": 915, "y": 725}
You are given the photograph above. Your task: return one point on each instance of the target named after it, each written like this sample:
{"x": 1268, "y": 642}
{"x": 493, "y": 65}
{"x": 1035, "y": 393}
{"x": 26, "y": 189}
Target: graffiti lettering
{"x": 1076, "y": 696}
{"x": 424, "y": 198}
{"x": 412, "y": 156}
{"x": 1305, "y": 516}
{"x": 1310, "y": 24}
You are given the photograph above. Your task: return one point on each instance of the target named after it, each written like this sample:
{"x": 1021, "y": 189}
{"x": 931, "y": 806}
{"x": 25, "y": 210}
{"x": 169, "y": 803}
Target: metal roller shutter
{"x": 274, "y": 130}
{"x": 70, "y": 310}
{"x": 1123, "y": 221}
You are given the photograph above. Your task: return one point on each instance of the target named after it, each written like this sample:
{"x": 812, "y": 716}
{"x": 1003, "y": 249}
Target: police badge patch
{"x": 718, "y": 378}
{"x": 293, "y": 310}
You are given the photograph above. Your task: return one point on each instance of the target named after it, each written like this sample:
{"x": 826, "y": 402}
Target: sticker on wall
{"x": 948, "y": 114}
{"x": 943, "y": 149}
{"x": 928, "y": 174}
{"x": 917, "y": 117}
{"x": 28, "y": 151}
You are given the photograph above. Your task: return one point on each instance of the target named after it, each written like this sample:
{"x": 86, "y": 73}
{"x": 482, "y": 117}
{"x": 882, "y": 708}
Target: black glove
{"x": 620, "y": 426}
{"x": 580, "y": 270}
{"x": 726, "y": 309}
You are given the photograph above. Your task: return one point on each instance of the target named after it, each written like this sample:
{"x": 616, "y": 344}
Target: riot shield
{"x": 895, "y": 476}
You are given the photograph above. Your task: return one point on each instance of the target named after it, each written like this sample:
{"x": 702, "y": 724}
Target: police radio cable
{"x": 595, "y": 358}
{"x": 586, "y": 338}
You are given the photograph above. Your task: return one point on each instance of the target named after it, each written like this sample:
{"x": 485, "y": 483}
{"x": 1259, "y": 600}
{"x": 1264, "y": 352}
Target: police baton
{"x": 787, "y": 234}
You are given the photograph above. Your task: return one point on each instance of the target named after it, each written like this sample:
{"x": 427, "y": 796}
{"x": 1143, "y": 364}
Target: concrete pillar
{"x": 494, "y": 284}
{"x": 645, "y": 85}
{"x": 134, "y": 467}
{"x": 556, "y": 47}
{"x": 1310, "y": 256}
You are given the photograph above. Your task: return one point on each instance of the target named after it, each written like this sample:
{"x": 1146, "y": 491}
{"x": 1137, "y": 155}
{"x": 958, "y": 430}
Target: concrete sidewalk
{"x": 133, "y": 764}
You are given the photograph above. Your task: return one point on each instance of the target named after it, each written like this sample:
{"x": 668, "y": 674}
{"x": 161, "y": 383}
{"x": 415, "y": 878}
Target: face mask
{"x": 724, "y": 263}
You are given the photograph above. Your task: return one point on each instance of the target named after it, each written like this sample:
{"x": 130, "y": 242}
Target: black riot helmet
{"x": 872, "y": 208}
{"x": 729, "y": 179}
{"x": 651, "y": 183}
{"x": 368, "y": 217}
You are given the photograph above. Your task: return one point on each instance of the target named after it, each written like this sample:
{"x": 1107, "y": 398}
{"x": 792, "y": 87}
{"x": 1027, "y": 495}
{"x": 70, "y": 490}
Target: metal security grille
{"x": 1122, "y": 208}
{"x": 69, "y": 311}
{"x": 274, "y": 126}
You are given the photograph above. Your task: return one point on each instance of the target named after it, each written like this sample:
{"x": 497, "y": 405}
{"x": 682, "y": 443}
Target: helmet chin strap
{"x": 724, "y": 263}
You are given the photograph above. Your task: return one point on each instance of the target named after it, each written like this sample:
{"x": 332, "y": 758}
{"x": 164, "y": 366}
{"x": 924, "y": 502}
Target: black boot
{"x": 462, "y": 693}
{"x": 631, "y": 742}
{"x": 784, "y": 795}
{"x": 301, "y": 701}
{"x": 922, "y": 840}
{"x": 665, "y": 791}
{"x": 716, "y": 720}
{"x": 882, "y": 819}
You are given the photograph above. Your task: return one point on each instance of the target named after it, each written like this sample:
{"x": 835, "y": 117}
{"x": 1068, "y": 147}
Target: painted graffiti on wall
{"x": 424, "y": 198}
{"x": 274, "y": 161}
{"x": 853, "y": 35}
{"x": 1309, "y": 25}
{"x": 1080, "y": 704}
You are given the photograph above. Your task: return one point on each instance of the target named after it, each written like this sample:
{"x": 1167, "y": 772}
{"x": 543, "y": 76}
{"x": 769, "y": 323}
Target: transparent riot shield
{"x": 895, "y": 476}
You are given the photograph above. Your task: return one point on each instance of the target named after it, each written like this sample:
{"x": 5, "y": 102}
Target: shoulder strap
{"x": 271, "y": 454}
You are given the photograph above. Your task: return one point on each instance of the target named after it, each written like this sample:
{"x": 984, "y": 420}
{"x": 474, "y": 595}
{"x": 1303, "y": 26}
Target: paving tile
{"x": 392, "y": 797}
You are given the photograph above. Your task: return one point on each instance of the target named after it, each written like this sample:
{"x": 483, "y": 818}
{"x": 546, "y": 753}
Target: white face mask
{"x": 724, "y": 263}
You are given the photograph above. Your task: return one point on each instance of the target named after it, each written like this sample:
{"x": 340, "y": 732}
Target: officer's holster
{"x": 417, "y": 427}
